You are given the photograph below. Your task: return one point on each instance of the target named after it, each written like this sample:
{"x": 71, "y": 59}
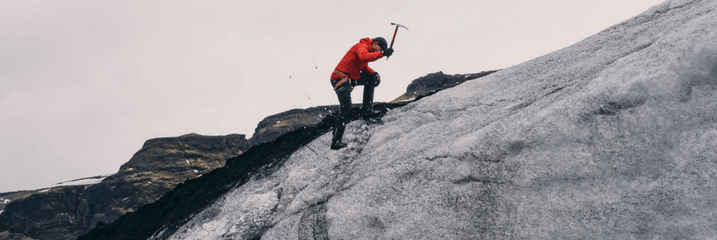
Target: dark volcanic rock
{"x": 70, "y": 211}
{"x": 435, "y": 82}
{"x": 279, "y": 124}
{"x": 6, "y": 198}
{"x": 186, "y": 153}
{"x": 60, "y": 213}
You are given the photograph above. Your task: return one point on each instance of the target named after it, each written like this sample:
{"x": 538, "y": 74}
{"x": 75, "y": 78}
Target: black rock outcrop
{"x": 434, "y": 82}
{"x": 279, "y": 124}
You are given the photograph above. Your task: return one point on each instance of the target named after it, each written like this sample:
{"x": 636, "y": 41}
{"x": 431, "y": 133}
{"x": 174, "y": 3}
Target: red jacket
{"x": 357, "y": 59}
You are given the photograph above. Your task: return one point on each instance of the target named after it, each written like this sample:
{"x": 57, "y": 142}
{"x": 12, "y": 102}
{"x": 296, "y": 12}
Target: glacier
{"x": 614, "y": 137}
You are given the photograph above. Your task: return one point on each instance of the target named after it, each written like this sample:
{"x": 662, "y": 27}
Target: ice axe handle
{"x": 393, "y": 39}
{"x": 394, "y": 34}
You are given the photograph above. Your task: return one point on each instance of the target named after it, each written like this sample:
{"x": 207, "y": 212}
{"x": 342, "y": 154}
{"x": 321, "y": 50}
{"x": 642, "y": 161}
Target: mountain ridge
{"x": 72, "y": 210}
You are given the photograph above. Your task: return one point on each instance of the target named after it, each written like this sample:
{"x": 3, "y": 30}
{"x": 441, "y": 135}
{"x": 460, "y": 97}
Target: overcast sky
{"x": 83, "y": 83}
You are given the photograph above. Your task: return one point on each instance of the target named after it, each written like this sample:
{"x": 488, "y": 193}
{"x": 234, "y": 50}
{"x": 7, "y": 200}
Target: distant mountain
{"x": 613, "y": 137}
{"x": 157, "y": 167}
{"x": 73, "y": 208}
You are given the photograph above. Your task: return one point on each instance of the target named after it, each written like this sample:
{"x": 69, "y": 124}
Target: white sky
{"x": 83, "y": 83}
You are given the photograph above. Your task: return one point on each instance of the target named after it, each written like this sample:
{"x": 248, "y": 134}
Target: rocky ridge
{"x": 71, "y": 211}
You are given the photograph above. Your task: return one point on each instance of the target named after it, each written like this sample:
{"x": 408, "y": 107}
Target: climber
{"x": 353, "y": 70}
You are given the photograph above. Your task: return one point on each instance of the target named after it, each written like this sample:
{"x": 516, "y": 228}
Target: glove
{"x": 376, "y": 79}
{"x": 388, "y": 52}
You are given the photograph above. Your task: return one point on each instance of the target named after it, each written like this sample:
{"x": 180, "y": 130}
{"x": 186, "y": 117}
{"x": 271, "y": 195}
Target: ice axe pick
{"x": 394, "y": 34}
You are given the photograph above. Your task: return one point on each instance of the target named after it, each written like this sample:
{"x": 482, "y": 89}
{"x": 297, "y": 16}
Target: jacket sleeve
{"x": 366, "y": 56}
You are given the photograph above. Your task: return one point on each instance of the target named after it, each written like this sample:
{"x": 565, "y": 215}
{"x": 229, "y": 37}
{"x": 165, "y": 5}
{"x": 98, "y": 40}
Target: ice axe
{"x": 394, "y": 34}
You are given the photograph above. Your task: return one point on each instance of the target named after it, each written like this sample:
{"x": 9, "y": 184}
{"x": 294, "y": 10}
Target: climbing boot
{"x": 337, "y": 145}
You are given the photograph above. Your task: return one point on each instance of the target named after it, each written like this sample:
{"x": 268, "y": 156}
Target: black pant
{"x": 343, "y": 92}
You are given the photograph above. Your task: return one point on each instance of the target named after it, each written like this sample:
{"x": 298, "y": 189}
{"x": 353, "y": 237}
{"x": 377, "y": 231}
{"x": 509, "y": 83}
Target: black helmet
{"x": 381, "y": 43}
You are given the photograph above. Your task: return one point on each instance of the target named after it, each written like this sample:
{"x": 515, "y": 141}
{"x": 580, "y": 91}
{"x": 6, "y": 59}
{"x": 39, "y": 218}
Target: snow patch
{"x": 84, "y": 181}
{"x": 4, "y": 201}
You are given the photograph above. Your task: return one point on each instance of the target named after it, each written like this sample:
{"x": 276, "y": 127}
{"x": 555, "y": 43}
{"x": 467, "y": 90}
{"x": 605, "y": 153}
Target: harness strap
{"x": 343, "y": 77}
{"x": 343, "y": 80}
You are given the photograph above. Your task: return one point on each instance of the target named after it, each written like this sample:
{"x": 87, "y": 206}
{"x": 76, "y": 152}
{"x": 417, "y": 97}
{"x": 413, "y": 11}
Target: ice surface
{"x": 236, "y": 216}
{"x": 614, "y": 137}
